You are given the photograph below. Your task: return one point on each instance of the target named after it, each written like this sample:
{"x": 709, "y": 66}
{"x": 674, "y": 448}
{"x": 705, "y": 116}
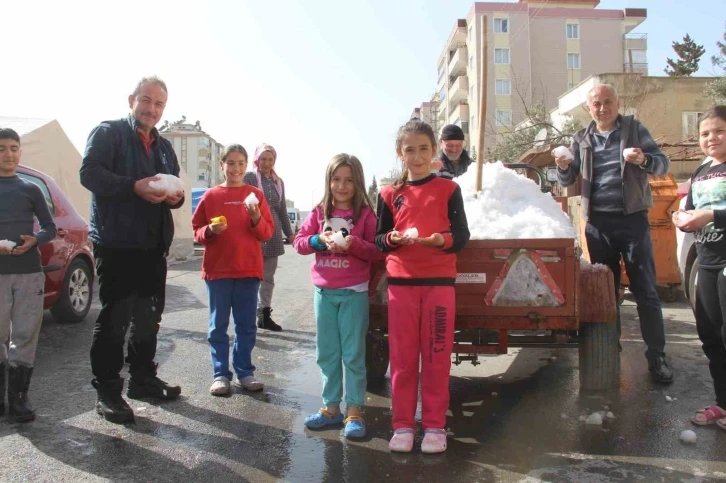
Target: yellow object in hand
{"x": 219, "y": 219}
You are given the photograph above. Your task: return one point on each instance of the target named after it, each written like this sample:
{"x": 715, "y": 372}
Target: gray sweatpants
{"x": 21, "y": 314}
{"x": 264, "y": 298}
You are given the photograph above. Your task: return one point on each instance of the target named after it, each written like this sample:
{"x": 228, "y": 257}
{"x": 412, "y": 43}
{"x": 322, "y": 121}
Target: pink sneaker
{"x": 434, "y": 441}
{"x": 402, "y": 441}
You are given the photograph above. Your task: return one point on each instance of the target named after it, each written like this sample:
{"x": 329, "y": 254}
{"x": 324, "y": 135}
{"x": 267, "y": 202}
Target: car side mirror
{"x": 552, "y": 174}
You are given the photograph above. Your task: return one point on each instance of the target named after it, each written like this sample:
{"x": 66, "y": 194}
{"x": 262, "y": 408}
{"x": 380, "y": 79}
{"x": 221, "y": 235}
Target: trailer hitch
{"x": 473, "y": 358}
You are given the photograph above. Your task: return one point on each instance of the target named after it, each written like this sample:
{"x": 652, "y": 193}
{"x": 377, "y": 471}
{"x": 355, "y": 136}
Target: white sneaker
{"x": 220, "y": 387}
{"x": 250, "y": 384}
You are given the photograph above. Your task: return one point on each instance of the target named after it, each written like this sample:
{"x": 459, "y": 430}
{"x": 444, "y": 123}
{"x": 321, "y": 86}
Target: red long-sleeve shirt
{"x": 431, "y": 205}
{"x": 237, "y": 251}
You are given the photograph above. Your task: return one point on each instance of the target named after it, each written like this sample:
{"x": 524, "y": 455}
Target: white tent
{"x": 47, "y": 148}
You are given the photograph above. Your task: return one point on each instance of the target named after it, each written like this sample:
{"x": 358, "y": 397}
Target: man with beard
{"x": 453, "y": 160}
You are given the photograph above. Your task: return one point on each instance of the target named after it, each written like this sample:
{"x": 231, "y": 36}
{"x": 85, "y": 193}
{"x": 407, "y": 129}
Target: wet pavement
{"x": 512, "y": 418}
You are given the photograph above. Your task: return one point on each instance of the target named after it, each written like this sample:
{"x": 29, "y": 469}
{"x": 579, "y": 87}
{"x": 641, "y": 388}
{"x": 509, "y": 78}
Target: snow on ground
{"x": 511, "y": 205}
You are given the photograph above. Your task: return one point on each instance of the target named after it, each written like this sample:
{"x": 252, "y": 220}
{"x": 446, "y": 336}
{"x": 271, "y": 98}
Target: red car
{"x": 68, "y": 259}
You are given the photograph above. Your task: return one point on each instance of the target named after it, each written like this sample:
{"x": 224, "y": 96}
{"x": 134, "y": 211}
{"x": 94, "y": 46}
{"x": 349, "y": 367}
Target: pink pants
{"x": 420, "y": 327}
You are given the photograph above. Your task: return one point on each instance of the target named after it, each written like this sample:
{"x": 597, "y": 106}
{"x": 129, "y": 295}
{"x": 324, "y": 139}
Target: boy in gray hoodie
{"x": 21, "y": 277}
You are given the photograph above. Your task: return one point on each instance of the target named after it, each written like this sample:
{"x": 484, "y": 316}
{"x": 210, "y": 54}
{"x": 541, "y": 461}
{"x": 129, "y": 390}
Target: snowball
{"x": 7, "y": 244}
{"x": 251, "y": 200}
{"x": 339, "y": 238}
{"x": 511, "y": 206}
{"x": 669, "y": 399}
{"x": 595, "y": 419}
{"x": 610, "y": 415}
{"x": 688, "y": 436}
{"x": 411, "y": 233}
{"x": 683, "y": 217}
{"x": 167, "y": 182}
{"x": 628, "y": 151}
{"x": 563, "y": 151}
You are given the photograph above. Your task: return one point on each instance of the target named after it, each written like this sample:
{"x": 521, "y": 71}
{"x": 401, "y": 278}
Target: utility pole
{"x": 483, "y": 80}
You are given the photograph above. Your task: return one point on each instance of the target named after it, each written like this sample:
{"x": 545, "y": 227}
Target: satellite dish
{"x": 540, "y": 138}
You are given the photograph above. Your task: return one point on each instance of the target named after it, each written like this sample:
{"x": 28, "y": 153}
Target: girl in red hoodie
{"x": 421, "y": 274}
{"x": 230, "y": 226}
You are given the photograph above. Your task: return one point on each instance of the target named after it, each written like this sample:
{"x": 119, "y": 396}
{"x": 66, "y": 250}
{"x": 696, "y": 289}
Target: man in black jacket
{"x": 132, "y": 229}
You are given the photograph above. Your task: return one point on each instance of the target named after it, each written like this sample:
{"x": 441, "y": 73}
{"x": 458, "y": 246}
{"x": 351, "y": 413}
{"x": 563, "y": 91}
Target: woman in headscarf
{"x": 265, "y": 178}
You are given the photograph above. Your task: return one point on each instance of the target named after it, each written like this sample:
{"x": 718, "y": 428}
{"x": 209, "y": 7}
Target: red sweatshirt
{"x": 236, "y": 252}
{"x": 431, "y": 205}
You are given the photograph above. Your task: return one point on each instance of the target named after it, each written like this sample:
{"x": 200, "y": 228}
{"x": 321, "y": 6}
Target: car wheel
{"x": 693, "y": 283}
{"x": 76, "y": 294}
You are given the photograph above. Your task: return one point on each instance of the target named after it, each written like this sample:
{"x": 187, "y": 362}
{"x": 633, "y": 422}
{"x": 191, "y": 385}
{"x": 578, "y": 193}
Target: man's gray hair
{"x": 150, "y": 79}
{"x": 606, "y": 86}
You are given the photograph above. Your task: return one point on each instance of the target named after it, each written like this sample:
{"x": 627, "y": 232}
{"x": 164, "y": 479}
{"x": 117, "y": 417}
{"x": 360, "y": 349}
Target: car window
{"x": 43, "y": 187}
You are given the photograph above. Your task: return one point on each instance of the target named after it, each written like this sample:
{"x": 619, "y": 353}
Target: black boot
{"x": 142, "y": 386}
{"x": 265, "y": 321}
{"x": 3, "y": 368}
{"x": 660, "y": 370}
{"x": 19, "y": 409}
{"x": 110, "y": 404}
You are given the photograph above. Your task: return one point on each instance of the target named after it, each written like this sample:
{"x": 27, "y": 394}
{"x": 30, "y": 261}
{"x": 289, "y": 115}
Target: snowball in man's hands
{"x": 168, "y": 183}
{"x": 338, "y": 238}
{"x": 628, "y": 151}
{"x": 563, "y": 152}
{"x": 7, "y": 244}
{"x": 251, "y": 200}
{"x": 411, "y": 233}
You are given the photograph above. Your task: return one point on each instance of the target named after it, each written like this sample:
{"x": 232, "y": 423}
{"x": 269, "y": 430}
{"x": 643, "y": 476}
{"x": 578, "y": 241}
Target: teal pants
{"x": 341, "y": 317}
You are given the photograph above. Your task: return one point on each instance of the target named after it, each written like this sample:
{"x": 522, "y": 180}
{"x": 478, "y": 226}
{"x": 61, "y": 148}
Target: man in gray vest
{"x": 615, "y": 154}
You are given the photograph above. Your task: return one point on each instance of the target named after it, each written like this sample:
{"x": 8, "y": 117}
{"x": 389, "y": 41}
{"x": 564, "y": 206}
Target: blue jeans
{"x": 341, "y": 317}
{"x": 612, "y": 235}
{"x": 238, "y": 296}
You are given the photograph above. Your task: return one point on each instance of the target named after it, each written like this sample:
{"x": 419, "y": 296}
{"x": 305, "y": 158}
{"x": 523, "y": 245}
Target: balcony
{"x": 635, "y": 68}
{"x": 457, "y": 61}
{"x": 441, "y": 112}
{"x": 635, "y": 42}
{"x": 459, "y": 89}
{"x": 460, "y": 113}
{"x": 457, "y": 35}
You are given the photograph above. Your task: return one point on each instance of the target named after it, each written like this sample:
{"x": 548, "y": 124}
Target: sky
{"x": 314, "y": 78}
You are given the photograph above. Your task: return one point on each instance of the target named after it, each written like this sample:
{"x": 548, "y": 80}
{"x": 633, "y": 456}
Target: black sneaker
{"x": 110, "y": 404}
{"x": 265, "y": 321}
{"x": 151, "y": 387}
{"x": 659, "y": 370}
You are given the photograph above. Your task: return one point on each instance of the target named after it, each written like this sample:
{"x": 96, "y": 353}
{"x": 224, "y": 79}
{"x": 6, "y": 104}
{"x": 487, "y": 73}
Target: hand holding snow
{"x": 7, "y": 244}
{"x": 338, "y": 238}
{"x": 411, "y": 233}
{"x": 563, "y": 152}
{"x": 628, "y": 151}
{"x": 251, "y": 200}
{"x": 683, "y": 216}
{"x": 511, "y": 206}
{"x": 167, "y": 182}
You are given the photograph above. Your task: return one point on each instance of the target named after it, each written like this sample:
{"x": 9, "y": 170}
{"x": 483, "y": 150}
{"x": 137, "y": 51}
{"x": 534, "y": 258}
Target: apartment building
{"x": 536, "y": 51}
{"x": 198, "y": 153}
{"x": 426, "y": 113}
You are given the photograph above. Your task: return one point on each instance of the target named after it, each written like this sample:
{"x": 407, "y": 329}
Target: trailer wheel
{"x": 377, "y": 356}
{"x": 599, "y": 356}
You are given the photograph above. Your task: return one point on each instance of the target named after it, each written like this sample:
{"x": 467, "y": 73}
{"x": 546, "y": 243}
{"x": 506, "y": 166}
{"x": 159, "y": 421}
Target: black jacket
{"x": 114, "y": 160}
{"x": 450, "y": 169}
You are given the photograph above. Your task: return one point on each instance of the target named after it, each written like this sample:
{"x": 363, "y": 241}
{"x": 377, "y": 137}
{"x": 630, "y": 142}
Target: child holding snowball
{"x": 421, "y": 226}
{"x": 231, "y": 221}
{"x": 341, "y": 232}
{"x": 705, "y": 216}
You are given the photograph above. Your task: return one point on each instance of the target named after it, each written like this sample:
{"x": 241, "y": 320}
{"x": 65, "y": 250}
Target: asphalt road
{"x": 512, "y": 418}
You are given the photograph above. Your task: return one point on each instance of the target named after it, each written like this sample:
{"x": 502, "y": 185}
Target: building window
{"x": 573, "y": 61}
{"x": 501, "y": 56}
{"x": 573, "y": 31}
{"x": 690, "y": 124}
{"x": 501, "y": 25}
{"x": 503, "y": 87}
{"x": 504, "y": 117}
{"x": 570, "y": 85}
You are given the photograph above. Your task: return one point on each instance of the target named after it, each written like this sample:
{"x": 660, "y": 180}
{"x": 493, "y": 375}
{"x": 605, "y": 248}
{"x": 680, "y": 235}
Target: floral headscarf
{"x": 256, "y": 161}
